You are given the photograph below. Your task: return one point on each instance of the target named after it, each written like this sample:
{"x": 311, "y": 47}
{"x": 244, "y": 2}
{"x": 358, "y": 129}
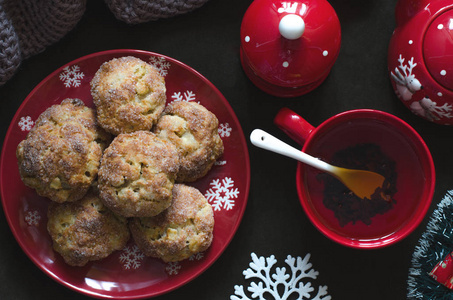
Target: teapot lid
{"x": 438, "y": 49}
{"x": 290, "y": 43}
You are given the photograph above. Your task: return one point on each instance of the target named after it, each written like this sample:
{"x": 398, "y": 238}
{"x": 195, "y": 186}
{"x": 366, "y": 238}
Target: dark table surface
{"x": 207, "y": 39}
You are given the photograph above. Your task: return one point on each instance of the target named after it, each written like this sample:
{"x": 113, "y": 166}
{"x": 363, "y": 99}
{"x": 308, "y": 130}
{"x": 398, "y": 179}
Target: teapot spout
{"x": 406, "y": 9}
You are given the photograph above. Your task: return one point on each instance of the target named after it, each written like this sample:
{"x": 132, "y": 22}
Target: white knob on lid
{"x": 291, "y": 26}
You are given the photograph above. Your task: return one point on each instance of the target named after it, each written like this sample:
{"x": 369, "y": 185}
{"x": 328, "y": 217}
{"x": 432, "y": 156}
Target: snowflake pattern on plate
{"x": 220, "y": 163}
{"x": 173, "y": 268}
{"x": 71, "y": 76}
{"x": 222, "y": 193}
{"x": 26, "y": 123}
{"x": 131, "y": 257}
{"x": 186, "y": 96}
{"x": 280, "y": 284}
{"x": 161, "y": 64}
{"x": 225, "y": 130}
{"x": 32, "y": 218}
{"x": 196, "y": 256}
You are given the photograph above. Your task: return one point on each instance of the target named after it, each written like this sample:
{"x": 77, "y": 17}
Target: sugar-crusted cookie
{"x": 137, "y": 174}
{"x": 129, "y": 95}
{"x": 85, "y": 230}
{"x": 184, "y": 229}
{"x": 60, "y": 156}
{"x": 194, "y": 131}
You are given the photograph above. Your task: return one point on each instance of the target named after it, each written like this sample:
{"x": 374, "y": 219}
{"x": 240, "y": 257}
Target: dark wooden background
{"x": 207, "y": 39}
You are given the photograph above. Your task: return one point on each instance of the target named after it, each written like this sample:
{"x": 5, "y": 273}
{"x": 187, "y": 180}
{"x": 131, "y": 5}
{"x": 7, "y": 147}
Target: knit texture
{"x": 27, "y": 27}
{"x": 140, "y": 11}
{"x": 10, "y": 56}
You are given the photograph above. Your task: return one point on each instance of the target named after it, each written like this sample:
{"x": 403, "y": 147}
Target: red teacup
{"x": 397, "y": 140}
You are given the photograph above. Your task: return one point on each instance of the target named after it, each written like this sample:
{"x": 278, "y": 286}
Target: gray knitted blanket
{"x": 27, "y": 27}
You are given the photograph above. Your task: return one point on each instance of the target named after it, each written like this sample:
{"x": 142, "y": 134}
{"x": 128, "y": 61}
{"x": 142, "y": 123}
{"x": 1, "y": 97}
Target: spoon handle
{"x": 266, "y": 141}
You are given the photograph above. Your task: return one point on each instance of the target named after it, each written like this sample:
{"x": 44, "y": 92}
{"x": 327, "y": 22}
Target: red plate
{"x": 126, "y": 274}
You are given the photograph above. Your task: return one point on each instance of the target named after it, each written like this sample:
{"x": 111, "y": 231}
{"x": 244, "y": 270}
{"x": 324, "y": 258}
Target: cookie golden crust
{"x": 60, "y": 156}
{"x": 129, "y": 95}
{"x": 184, "y": 229}
{"x": 194, "y": 131}
{"x": 85, "y": 230}
{"x": 137, "y": 174}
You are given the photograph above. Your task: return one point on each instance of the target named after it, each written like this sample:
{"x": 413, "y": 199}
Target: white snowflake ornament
{"x": 280, "y": 284}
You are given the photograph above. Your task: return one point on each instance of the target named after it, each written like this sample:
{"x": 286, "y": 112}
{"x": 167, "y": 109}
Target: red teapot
{"x": 420, "y": 58}
{"x": 289, "y": 47}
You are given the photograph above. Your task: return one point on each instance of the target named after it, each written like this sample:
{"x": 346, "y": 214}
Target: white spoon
{"x": 360, "y": 182}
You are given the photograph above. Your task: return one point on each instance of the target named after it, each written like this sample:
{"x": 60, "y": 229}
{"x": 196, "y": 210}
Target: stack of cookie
{"x": 121, "y": 169}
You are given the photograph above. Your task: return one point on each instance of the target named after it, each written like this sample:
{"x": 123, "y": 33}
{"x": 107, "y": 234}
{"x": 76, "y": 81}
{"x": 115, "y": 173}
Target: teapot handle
{"x": 293, "y": 125}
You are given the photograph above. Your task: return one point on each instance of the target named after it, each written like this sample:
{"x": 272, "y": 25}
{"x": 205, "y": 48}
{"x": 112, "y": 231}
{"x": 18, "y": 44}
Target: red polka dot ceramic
{"x": 289, "y": 47}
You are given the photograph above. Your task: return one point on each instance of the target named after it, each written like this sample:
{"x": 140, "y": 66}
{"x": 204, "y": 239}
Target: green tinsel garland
{"x": 436, "y": 243}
